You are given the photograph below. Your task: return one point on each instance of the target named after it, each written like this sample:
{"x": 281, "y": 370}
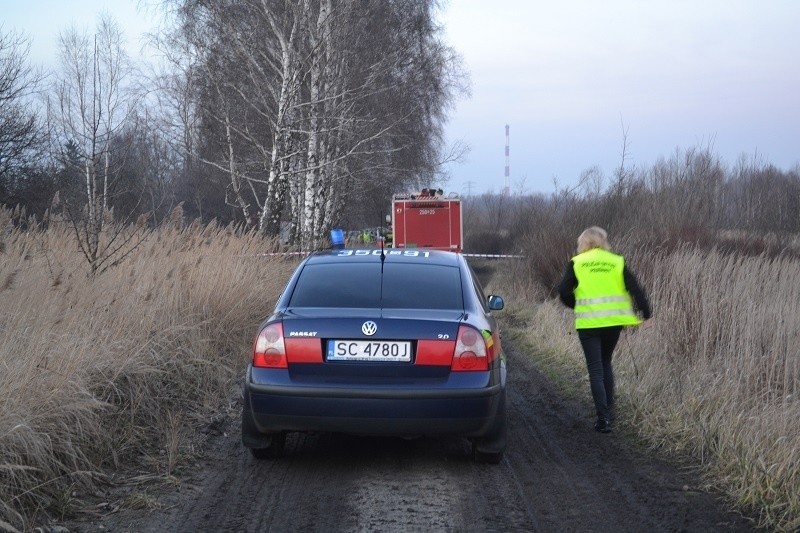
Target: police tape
{"x": 495, "y": 256}
{"x": 482, "y": 256}
{"x": 273, "y": 254}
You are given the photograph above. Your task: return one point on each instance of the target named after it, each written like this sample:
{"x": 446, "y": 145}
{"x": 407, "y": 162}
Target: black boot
{"x": 603, "y": 425}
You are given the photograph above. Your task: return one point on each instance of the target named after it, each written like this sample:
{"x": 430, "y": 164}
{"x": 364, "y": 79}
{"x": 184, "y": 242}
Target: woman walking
{"x": 606, "y": 297}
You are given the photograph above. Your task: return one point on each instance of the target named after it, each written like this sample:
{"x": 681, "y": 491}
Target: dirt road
{"x": 558, "y": 475}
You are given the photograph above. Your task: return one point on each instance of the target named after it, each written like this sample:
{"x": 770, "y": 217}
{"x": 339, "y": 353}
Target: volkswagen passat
{"x": 379, "y": 342}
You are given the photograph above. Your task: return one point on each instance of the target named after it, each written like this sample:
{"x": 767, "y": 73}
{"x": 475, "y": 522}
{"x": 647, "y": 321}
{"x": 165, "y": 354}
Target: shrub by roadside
{"x": 97, "y": 370}
{"x": 717, "y": 378}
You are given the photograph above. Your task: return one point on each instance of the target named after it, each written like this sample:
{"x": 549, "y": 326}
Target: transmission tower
{"x": 469, "y": 185}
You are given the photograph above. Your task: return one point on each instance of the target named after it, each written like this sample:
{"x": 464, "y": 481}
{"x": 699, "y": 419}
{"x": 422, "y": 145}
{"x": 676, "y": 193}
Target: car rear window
{"x": 404, "y": 286}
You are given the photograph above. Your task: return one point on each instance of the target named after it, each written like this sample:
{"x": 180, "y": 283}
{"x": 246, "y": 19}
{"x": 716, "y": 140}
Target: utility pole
{"x": 507, "y": 183}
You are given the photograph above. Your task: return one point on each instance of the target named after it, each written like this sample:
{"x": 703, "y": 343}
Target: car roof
{"x": 394, "y": 255}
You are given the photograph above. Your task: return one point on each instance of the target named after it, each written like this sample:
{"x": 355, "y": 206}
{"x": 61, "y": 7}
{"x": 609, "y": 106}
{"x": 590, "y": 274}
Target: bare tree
{"x": 303, "y": 109}
{"x": 175, "y": 99}
{"x": 91, "y": 105}
{"x": 381, "y": 99}
{"x": 19, "y": 125}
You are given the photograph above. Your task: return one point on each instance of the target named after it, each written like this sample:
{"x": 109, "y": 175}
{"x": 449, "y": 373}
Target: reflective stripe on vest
{"x": 601, "y": 299}
{"x": 605, "y": 300}
{"x": 607, "y": 312}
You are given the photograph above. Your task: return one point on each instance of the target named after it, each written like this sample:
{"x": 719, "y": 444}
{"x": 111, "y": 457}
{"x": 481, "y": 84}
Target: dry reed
{"x": 718, "y": 375}
{"x": 94, "y": 370}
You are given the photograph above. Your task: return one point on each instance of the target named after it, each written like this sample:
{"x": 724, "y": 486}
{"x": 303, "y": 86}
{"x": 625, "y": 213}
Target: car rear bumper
{"x": 465, "y": 404}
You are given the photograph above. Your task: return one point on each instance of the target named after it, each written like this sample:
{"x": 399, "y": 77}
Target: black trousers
{"x": 598, "y": 348}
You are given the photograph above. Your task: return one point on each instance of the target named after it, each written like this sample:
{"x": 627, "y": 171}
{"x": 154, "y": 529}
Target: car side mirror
{"x": 495, "y": 302}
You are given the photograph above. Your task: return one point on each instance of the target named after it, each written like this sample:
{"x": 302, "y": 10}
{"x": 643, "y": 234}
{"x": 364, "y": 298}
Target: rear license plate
{"x": 399, "y": 351}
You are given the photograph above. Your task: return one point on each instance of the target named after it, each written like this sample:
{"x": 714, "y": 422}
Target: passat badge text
{"x": 302, "y": 333}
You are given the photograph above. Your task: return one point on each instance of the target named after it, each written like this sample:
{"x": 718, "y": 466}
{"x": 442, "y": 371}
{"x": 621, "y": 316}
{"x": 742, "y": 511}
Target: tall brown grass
{"x": 96, "y": 370}
{"x": 720, "y": 376}
{"x": 717, "y": 377}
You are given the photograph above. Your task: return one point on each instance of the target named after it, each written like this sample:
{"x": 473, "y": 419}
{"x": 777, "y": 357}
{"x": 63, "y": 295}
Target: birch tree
{"x": 384, "y": 97}
{"x": 90, "y": 105}
{"x": 306, "y": 101}
{"x": 19, "y": 124}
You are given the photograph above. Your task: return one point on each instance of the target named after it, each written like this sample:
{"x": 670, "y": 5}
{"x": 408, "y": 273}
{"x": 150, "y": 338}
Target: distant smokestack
{"x": 507, "y": 183}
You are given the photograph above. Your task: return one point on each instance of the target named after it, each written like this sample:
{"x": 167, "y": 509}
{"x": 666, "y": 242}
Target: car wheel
{"x": 490, "y": 447}
{"x": 261, "y": 446}
{"x": 482, "y": 456}
{"x": 273, "y": 450}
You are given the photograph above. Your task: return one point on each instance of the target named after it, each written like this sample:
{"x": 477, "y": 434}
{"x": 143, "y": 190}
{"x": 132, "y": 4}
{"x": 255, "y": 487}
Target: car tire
{"x": 490, "y": 447}
{"x": 275, "y": 448}
{"x": 491, "y": 458}
{"x": 261, "y": 446}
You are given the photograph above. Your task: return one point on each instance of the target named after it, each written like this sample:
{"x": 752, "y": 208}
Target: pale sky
{"x": 568, "y": 75}
{"x": 42, "y": 20}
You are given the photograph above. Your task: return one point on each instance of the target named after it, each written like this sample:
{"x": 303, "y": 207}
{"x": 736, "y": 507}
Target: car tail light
{"x": 268, "y": 348}
{"x": 471, "y": 353}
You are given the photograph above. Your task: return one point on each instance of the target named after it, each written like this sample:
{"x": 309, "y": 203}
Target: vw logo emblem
{"x": 369, "y": 328}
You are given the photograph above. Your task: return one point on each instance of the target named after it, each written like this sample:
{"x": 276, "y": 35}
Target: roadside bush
{"x": 717, "y": 379}
{"x": 97, "y": 370}
{"x": 719, "y": 376}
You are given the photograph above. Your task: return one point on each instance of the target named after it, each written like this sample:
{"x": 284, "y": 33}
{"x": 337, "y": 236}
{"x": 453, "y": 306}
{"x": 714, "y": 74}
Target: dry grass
{"x": 718, "y": 376}
{"x": 93, "y": 371}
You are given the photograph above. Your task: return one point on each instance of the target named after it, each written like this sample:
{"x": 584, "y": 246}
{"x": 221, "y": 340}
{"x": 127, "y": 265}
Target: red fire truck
{"x": 427, "y": 219}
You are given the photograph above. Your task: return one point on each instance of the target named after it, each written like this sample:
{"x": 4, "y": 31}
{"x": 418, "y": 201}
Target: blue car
{"x": 379, "y": 342}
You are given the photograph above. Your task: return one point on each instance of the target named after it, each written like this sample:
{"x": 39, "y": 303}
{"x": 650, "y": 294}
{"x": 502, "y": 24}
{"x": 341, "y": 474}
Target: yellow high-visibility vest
{"x": 601, "y": 299}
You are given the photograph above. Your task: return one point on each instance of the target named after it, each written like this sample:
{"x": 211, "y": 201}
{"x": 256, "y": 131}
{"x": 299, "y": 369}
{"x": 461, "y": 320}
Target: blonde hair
{"x": 594, "y": 237}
